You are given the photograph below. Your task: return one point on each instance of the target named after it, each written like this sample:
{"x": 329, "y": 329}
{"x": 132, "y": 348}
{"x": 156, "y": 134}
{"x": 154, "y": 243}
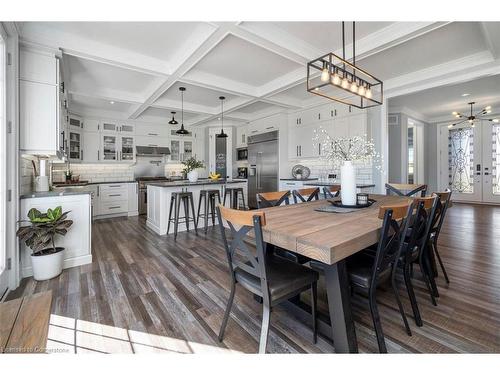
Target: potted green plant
{"x": 46, "y": 258}
{"x": 190, "y": 169}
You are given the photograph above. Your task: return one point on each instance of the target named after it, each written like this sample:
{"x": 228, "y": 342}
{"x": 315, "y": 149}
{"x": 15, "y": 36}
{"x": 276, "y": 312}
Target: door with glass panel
{"x": 470, "y": 167}
{"x": 4, "y": 266}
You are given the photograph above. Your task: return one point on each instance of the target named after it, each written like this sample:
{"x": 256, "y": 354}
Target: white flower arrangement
{"x": 357, "y": 149}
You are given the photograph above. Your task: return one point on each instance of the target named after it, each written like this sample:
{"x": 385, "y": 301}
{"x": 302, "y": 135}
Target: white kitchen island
{"x": 159, "y": 195}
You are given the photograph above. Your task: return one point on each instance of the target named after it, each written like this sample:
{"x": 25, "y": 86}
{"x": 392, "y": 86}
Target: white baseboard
{"x": 67, "y": 263}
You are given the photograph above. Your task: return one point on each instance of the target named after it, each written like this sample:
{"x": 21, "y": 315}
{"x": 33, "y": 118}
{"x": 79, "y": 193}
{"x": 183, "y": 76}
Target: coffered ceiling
{"x": 133, "y": 70}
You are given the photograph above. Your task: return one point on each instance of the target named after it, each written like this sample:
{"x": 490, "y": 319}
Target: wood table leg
{"x": 339, "y": 306}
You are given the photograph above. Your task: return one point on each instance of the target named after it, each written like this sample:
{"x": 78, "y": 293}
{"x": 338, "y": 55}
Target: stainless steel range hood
{"x": 152, "y": 151}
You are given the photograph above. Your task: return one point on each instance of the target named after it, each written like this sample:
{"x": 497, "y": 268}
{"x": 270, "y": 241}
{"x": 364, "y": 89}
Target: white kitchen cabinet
{"x": 38, "y": 66}
{"x": 91, "y": 147}
{"x": 127, "y": 148}
{"x": 241, "y": 136}
{"x": 110, "y": 127}
{"x": 77, "y": 241}
{"x": 39, "y": 118}
{"x": 90, "y": 125}
{"x": 262, "y": 126}
{"x": 109, "y": 146}
{"x": 339, "y": 128}
{"x": 357, "y": 125}
{"x": 74, "y": 144}
{"x": 151, "y": 130}
{"x": 133, "y": 199}
{"x": 301, "y": 142}
{"x": 180, "y": 150}
{"x": 128, "y": 129}
{"x": 152, "y": 141}
{"x": 75, "y": 122}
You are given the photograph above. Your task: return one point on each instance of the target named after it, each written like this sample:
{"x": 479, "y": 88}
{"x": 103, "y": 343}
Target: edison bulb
{"x": 354, "y": 87}
{"x": 368, "y": 93}
{"x": 496, "y": 120}
{"x": 488, "y": 108}
{"x": 450, "y": 126}
{"x": 345, "y": 83}
{"x": 472, "y": 125}
{"x": 362, "y": 91}
{"x": 325, "y": 75}
{"x": 457, "y": 116}
{"x": 336, "y": 79}
{"x": 454, "y": 113}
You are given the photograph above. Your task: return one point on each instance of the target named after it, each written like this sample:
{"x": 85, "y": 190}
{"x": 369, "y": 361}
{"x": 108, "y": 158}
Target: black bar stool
{"x": 175, "y": 202}
{"x": 234, "y": 194}
{"x": 208, "y": 197}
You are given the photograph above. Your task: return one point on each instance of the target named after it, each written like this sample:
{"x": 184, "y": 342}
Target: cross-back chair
{"x": 331, "y": 191}
{"x": 273, "y": 199}
{"x": 273, "y": 278}
{"x": 310, "y": 193}
{"x": 406, "y": 190}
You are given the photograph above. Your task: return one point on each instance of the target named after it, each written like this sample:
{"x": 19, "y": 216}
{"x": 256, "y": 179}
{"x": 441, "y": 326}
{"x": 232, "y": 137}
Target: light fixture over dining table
{"x": 335, "y": 78}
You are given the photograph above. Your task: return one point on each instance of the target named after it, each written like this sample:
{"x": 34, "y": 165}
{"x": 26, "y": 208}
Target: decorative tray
{"x": 338, "y": 203}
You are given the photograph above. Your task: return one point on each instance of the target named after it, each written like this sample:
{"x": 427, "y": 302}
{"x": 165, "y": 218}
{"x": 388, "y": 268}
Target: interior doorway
{"x": 470, "y": 161}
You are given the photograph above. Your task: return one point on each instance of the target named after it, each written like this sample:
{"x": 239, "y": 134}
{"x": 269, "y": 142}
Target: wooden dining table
{"x": 329, "y": 238}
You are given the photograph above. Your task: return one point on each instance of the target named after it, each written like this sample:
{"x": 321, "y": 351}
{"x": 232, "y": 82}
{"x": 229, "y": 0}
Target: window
{"x": 461, "y": 160}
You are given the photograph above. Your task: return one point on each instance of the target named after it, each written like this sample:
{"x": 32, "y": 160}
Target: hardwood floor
{"x": 145, "y": 292}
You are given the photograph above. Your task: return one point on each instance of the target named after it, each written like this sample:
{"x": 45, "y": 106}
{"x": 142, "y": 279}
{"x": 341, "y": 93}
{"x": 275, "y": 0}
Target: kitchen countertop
{"x": 55, "y": 193}
{"x": 199, "y": 182}
{"x": 62, "y": 184}
{"x": 329, "y": 183}
{"x": 298, "y": 179}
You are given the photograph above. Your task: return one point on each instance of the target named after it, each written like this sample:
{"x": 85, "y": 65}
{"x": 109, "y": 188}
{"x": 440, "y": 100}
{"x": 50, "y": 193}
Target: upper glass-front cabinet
{"x": 175, "y": 150}
{"x": 187, "y": 150}
{"x": 127, "y": 148}
{"x": 109, "y": 146}
{"x": 75, "y": 146}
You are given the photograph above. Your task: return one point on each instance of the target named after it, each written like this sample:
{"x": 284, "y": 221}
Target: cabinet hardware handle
{"x": 114, "y": 186}
{"x": 254, "y": 131}
{"x": 98, "y": 156}
{"x": 153, "y": 145}
{"x": 81, "y": 154}
{"x": 152, "y": 134}
{"x": 115, "y": 195}
{"x": 319, "y": 148}
{"x": 319, "y": 116}
{"x": 113, "y": 207}
{"x": 270, "y": 127}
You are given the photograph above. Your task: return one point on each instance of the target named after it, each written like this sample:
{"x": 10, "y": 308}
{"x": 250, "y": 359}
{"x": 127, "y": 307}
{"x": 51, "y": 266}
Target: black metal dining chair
{"x": 369, "y": 269}
{"x": 310, "y": 193}
{"x": 367, "y": 272}
{"x": 273, "y": 199}
{"x": 445, "y": 198}
{"x": 405, "y": 190}
{"x": 269, "y": 276}
{"x": 331, "y": 191}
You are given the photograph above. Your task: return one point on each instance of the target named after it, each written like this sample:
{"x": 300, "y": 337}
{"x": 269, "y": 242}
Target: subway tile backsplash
{"x": 321, "y": 169}
{"x": 95, "y": 172}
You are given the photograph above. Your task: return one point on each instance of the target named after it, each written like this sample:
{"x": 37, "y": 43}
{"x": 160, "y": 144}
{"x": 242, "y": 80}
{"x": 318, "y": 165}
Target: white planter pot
{"x": 348, "y": 183}
{"x": 46, "y": 267}
{"x": 193, "y": 176}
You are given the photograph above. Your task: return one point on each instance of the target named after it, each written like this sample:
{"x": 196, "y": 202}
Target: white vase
{"x": 348, "y": 183}
{"x": 48, "y": 266}
{"x": 193, "y": 176}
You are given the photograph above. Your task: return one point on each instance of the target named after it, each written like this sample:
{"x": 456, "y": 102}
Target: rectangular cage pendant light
{"x": 335, "y": 78}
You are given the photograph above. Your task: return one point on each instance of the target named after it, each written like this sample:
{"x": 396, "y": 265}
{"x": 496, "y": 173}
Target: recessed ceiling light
{"x": 111, "y": 102}
{"x": 466, "y": 94}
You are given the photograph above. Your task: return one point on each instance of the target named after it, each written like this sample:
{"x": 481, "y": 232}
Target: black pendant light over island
{"x": 182, "y": 131}
{"x": 222, "y": 134}
{"x": 173, "y": 121}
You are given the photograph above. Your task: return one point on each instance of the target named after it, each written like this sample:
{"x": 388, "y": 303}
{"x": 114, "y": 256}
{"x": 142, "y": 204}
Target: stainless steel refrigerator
{"x": 263, "y": 161}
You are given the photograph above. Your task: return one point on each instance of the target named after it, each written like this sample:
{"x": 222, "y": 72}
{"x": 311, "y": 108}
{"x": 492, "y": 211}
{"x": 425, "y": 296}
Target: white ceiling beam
{"x": 491, "y": 33}
{"x": 217, "y": 83}
{"x": 108, "y": 95}
{"x": 169, "y": 104}
{"x": 86, "y": 48}
{"x": 210, "y": 42}
{"x": 459, "y": 70}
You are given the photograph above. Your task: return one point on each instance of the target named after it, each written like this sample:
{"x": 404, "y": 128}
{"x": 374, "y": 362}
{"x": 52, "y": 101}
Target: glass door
{"x": 109, "y": 147}
{"x": 75, "y": 146}
{"x": 473, "y": 162}
{"x": 175, "y": 150}
{"x": 187, "y": 150}
{"x": 4, "y": 269}
{"x": 127, "y": 148}
{"x": 491, "y": 161}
